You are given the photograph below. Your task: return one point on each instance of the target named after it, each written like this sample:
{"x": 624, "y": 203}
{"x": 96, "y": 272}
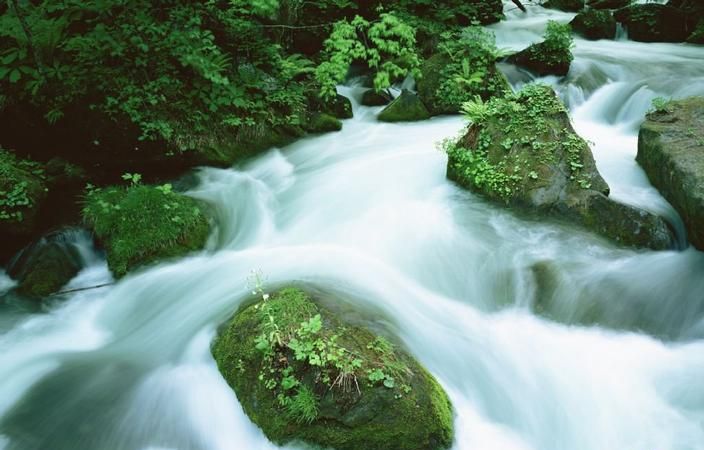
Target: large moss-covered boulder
{"x": 564, "y": 5}
{"x": 671, "y": 151}
{"x": 143, "y": 224}
{"x": 323, "y": 123}
{"x": 302, "y": 372}
{"x": 652, "y": 22}
{"x": 45, "y": 266}
{"x": 553, "y": 56}
{"x": 594, "y": 24}
{"x": 407, "y": 107}
{"x": 462, "y": 69}
{"x": 523, "y": 152}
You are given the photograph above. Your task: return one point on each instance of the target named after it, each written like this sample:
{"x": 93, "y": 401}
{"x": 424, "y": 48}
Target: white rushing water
{"x": 544, "y": 336}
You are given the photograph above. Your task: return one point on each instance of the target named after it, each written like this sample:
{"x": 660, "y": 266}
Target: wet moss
{"x": 140, "y": 225}
{"x": 323, "y": 123}
{"x": 410, "y": 413}
{"x": 406, "y": 107}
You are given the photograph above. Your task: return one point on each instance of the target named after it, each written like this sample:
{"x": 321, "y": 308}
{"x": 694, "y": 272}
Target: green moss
{"x": 22, "y": 189}
{"x": 46, "y": 270}
{"x": 142, "y": 224}
{"x": 406, "y": 107}
{"x": 594, "y": 24}
{"x": 462, "y": 69}
{"x": 384, "y": 401}
{"x": 697, "y": 37}
{"x": 553, "y": 56}
{"x": 323, "y": 123}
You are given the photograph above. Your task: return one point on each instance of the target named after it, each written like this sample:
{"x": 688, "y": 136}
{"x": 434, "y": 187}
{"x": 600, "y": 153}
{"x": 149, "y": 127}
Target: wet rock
{"x": 553, "y": 56}
{"x": 652, "y": 22}
{"x": 671, "y": 151}
{"x": 407, "y": 107}
{"x": 594, "y": 24}
{"x": 565, "y": 5}
{"x": 608, "y": 4}
{"x": 523, "y": 152}
{"x": 374, "y": 98}
{"x": 323, "y": 123}
{"x": 317, "y": 378}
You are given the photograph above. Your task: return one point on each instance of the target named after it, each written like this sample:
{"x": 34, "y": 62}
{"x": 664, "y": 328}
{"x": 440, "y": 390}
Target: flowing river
{"x": 545, "y": 337}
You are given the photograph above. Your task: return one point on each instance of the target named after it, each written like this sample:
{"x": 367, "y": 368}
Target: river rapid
{"x": 545, "y": 337}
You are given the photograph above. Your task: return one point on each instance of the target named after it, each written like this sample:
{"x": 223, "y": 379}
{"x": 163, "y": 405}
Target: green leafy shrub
{"x": 386, "y": 46}
{"x": 553, "y": 55}
{"x": 141, "y": 224}
{"x": 22, "y": 187}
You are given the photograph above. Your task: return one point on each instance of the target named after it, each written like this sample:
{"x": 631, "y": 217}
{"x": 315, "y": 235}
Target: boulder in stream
{"x": 564, "y": 5}
{"x": 523, "y": 152}
{"x": 653, "y": 22}
{"x": 407, "y": 107}
{"x": 671, "y": 151}
{"x": 303, "y": 372}
{"x": 142, "y": 224}
{"x": 553, "y": 56}
{"x": 594, "y": 24}
{"x": 374, "y": 98}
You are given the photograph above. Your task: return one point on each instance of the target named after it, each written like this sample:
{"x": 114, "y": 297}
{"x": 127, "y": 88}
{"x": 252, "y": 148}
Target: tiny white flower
{"x": 265, "y": 296}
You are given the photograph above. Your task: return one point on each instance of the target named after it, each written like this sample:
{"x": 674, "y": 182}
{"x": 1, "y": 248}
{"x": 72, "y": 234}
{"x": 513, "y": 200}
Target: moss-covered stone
{"x": 697, "y": 36}
{"x": 340, "y": 107}
{"x": 323, "y": 123}
{"x": 594, "y": 24}
{"x": 45, "y": 266}
{"x": 652, "y": 22}
{"x": 671, "y": 151}
{"x": 448, "y": 81}
{"x": 608, "y": 4}
{"x": 553, "y": 56}
{"x": 301, "y": 372}
{"x": 522, "y": 151}
{"x": 565, "y": 5}
{"x": 140, "y": 225}
{"x": 407, "y": 107}
{"x": 373, "y": 98}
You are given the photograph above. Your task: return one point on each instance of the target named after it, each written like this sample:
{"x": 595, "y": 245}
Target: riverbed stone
{"x": 594, "y": 24}
{"x": 522, "y": 151}
{"x": 304, "y": 372}
{"x": 565, "y": 5}
{"x": 407, "y": 107}
{"x": 652, "y": 22}
{"x": 373, "y": 98}
{"x": 671, "y": 151}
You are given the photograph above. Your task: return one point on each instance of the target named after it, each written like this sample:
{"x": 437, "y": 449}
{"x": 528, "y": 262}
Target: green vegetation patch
{"x": 514, "y": 145}
{"x": 553, "y": 56}
{"x": 301, "y": 373}
{"x": 141, "y": 224}
{"x": 22, "y": 188}
{"x": 463, "y": 68}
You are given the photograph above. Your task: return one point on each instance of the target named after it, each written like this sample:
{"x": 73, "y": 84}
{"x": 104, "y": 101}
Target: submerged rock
{"x": 45, "y": 266}
{"x": 143, "y": 224}
{"x": 594, "y": 24}
{"x": 671, "y": 151}
{"x": 302, "y": 372}
{"x": 407, "y": 107}
{"x": 522, "y": 151}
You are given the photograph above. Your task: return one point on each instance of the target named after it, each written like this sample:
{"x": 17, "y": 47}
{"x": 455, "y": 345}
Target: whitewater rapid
{"x": 545, "y": 337}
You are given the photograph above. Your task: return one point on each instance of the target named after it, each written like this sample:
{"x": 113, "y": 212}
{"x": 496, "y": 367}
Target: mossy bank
{"x": 302, "y": 373}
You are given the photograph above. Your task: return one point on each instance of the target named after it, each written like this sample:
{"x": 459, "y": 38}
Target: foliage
{"x": 522, "y": 120}
{"x": 660, "y": 105}
{"x": 557, "y": 45}
{"x": 22, "y": 184}
{"x": 386, "y": 46}
{"x": 140, "y": 224}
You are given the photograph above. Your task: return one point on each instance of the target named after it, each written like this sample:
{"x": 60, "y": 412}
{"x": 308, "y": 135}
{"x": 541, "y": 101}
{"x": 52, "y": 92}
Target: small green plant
{"x": 133, "y": 178}
{"x": 660, "y": 105}
{"x": 22, "y": 183}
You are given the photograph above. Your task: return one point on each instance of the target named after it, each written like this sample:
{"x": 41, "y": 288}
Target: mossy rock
{"x": 543, "y": 60}
{"x": 143, "y": 224}
{"x": 374, "y": 98}
{"x": 441, "y": 93}
{"x": 652, "y": 22}
{"x": 523, "y": 152}
{"x": 407, "y": 107}
{"x": 671, "y": 151}
{"x": 608, "y": 4}
{"x": 339, "y": 106}
{"x": 323, "y": 123}
{"x": 224, "y": 151}
{"x": 326, "y": 381}
{"x": 594, "y": 24}
{"x": 23, "y": 189}
{"x": 565, "y": 5}
{"x": 45, "y": 266}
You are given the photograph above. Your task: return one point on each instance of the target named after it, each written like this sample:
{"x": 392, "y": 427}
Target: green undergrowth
{"x": 22, "y": 186}
{"x": 300, "y": 373}
{"x": 140, "y": 224}
{"x": 528, "y": 120}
